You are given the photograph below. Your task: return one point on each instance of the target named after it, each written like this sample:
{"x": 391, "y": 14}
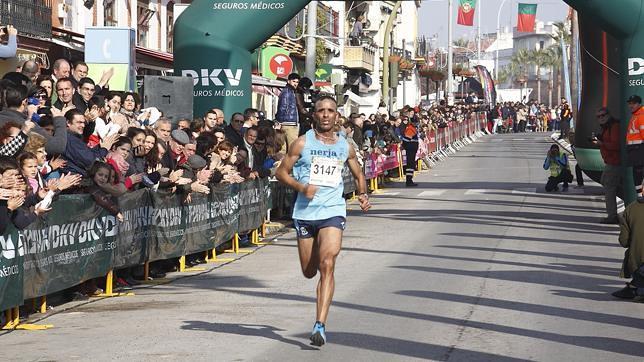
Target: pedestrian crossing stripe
{"x": 391, "y": 193}
{"x": 477, "y": 192}
{"x": 432, "y": 193}
{"x": 525, "y": 191}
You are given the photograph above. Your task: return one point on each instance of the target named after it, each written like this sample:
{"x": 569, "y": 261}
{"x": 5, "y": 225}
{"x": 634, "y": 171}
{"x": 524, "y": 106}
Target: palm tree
{"x": 540, "y": 59}
{"x": 462, "y": 42}
{"x": 562, "y": 32}
{"x": 554, "y": 62}
{"x": 508, "y": 73}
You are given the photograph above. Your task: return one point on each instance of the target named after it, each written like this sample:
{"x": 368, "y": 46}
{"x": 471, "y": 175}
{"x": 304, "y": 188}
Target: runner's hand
{"x": 309, "y": 191}
{"x": 364, "y": 202}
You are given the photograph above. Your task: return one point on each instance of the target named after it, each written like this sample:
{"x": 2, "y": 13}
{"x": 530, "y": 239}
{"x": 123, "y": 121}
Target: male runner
{"x": 316, "y": 160}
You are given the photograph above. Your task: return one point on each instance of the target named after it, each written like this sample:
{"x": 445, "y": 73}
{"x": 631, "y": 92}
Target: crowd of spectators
{"x": 530, "y": 117}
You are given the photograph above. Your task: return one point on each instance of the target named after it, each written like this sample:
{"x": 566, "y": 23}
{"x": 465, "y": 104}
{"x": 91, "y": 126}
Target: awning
{"x": 146, "y": 58}
{"x": 259, "y": 80}
{"x": 360, "y": 101}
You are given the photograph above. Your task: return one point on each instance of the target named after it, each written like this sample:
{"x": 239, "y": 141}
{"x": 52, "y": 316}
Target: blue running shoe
{"x": 318, "y": 336}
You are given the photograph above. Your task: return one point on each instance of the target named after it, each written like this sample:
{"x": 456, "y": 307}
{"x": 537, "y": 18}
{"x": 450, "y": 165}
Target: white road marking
{"x": 432, "y": 193}
{"x": 525, "y": 191}
{"x": 476, "y": 192}
{"x": 391, "y": 193}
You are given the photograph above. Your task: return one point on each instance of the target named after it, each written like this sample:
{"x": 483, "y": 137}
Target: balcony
{"x": 359, "y": 57}
{"x": 30, "y": 17}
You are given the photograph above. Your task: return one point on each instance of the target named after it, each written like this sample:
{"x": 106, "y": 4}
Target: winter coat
{"x": 631, "y": 236}
{"x": 287, "y": 107}
{"x": 79, "y": 157}
{"x": 609, "y": 147}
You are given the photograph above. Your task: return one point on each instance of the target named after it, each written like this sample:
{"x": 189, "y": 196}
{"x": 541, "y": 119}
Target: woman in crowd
{"x": 130, "y": 109}
{"x": 47, "y": 83}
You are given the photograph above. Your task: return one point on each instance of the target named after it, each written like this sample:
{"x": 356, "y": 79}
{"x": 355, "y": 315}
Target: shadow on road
{"x": 621, "y": 346}
{"x": 531, "y": 238}
{"x": 541, "y": 277}
{"x": 534, "y": 253}
{"x": 402, "y": 347}
{"x": 253, "y": 330}
{"x": 582, "y": 315}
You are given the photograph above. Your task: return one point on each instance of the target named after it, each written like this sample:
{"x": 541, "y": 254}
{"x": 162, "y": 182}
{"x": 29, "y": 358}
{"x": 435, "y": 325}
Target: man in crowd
{"x": 635, "y": 140}
{"x": 251, "y": 119}
{"x": 65, "y": 92}
{"x": 358, "y": 135}
{"x": 78, "y": 155}
{"x": 608, "y": 142}
{"x": 84, "y": 93}
{"x": 631, "y": 236}
{"x": 566, "y": 116}
{"x": 233, "y": 131}
{"x": 253, "y": 159}
{"x": 60, "y": 69}
{"x": 304, "y": 104}
{"x": 162, "y": 128}
{"x": 410, "y": 145}
{"x": 175, "y": 156}
{"x": 210, "y": 120}
{"x": 31, "y": 69}
{"x": 79, "y": 72}
{"x": 221, "y": 118}
{"x": 287, "y": 115}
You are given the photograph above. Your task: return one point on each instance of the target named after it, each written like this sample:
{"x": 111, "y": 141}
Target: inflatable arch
{"x": 213, "y": 41}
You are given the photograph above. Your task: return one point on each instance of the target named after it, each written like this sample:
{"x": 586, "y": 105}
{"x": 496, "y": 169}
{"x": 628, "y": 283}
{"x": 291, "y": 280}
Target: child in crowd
{"x": 102, "y": 175}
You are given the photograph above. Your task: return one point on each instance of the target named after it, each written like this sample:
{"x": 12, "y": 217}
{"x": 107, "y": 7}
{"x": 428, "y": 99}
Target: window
{"x": 109, "y": 13}
{"x": 143, "y": 16}
{"x": 170, "y": 22}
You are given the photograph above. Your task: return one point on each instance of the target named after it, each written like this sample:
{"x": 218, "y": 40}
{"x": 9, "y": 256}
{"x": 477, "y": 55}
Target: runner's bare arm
{"x": 283, "y": 172}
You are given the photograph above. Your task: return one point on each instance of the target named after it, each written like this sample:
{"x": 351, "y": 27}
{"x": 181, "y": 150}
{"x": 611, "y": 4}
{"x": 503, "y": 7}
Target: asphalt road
{"x": 478, "y": 263}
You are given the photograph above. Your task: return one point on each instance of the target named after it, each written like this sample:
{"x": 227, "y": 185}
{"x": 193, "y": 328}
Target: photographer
{"x": 557, "y": 162}
{"x": 608, "y": 142}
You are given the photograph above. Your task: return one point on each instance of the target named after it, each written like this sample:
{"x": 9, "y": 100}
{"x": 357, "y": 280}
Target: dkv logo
{"x": 207, "y": 77}
{"x": 635, "y": 66}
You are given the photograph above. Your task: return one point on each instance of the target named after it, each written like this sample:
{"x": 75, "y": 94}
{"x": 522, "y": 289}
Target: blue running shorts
{"x": 307, "y": 229}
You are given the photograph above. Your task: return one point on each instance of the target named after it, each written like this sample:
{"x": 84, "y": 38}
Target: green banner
{"x": 250, "y": 205}
{"x": 71, "y": 244}
{"x": 11, "y": 272}
{"x": 135, "y": 230}
{"x": 167, "y": 227}
{"x": 79, "y": 240}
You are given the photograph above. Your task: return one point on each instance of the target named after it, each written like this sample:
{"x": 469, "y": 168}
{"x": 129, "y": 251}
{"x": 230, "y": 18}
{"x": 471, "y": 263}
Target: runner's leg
{"x": 330, "y": 242}
{"x": 308, "y": 250}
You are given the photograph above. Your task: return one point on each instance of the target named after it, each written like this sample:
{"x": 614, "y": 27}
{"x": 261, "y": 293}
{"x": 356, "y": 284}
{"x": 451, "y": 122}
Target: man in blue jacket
{"x": 287, "y": 115}
{"x": 78, "y": 155}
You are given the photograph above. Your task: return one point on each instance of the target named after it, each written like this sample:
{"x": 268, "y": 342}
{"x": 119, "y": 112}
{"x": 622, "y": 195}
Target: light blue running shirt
{"x": 328, "y": 201}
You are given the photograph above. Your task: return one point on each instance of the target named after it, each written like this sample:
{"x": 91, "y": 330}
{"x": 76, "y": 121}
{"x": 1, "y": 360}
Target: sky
{"x": 432, "y": 17}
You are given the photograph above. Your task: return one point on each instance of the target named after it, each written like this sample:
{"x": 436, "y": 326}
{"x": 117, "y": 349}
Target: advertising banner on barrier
{"x": 250, "y": 205}
{"x": 348, "y": 180}
{"x": 11, "y": 272}
{"x": 78, "y": 240}
{"x": 70, "y": 244}
{"x": 198, "y": 233}
{"x": 167, "y": 227}
{"x": 391, "y": 160}
{"x": 135, "y": 230}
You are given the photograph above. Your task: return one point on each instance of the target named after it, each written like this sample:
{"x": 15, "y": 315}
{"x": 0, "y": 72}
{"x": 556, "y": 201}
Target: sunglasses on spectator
{"x": 41, "y": 96}
{"x": 238, "y": 121}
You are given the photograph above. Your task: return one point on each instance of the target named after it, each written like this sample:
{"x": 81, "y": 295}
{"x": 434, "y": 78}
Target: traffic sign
{"x": 281, "y": 65}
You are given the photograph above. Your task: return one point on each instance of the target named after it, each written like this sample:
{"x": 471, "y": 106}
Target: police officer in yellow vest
{"x": 557, "y": 162}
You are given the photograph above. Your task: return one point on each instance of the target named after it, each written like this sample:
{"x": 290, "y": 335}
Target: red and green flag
{"x": 466, "y": 10}
{"x": 527, "y": 16}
